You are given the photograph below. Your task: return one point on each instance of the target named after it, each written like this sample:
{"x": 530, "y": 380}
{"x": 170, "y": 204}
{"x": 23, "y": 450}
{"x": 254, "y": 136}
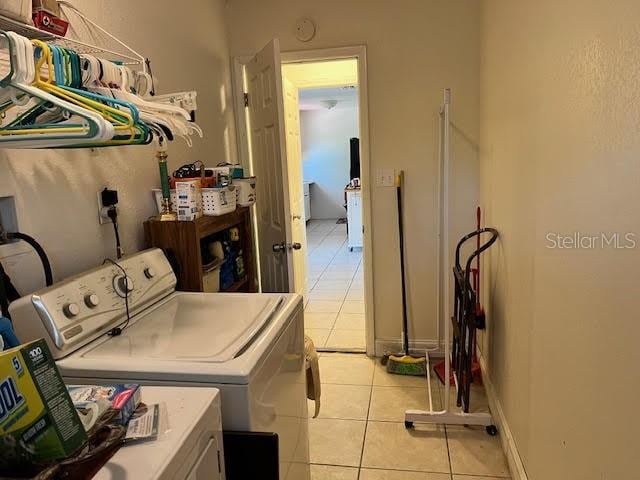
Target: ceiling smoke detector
{"x": 305, "y": 29}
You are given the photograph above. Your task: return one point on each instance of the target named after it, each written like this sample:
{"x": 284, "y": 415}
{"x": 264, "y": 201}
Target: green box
{"x": 38, "y": 422}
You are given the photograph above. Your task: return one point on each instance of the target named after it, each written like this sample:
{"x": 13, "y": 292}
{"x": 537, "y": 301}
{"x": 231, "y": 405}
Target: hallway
{"x": 334, "y": 309}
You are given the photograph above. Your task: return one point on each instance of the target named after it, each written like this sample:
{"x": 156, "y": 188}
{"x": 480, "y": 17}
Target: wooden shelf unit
{"x": 181, "y": 243}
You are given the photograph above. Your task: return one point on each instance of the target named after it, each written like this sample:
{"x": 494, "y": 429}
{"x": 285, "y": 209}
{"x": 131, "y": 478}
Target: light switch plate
{"x": 386, "y": 177}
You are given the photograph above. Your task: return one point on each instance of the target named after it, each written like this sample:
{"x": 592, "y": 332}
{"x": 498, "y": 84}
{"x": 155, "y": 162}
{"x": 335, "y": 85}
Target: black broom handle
{"x": 405, "y": 321}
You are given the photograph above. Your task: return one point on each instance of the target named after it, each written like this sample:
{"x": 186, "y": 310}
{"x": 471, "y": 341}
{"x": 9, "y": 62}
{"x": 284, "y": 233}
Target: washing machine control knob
{"x": 149, "y": 273}
{"x": 123, "y": 285}
{"x": 92, "y": 300}
{"x": 71, "y": 310}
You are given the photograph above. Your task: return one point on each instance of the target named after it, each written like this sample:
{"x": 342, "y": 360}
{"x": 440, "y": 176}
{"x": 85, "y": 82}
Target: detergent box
{"x": 38, "y": 423}
{"x": 189, "y": 197}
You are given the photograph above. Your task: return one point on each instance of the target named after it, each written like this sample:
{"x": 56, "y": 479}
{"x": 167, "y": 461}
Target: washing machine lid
{"x": 212, "y": 328}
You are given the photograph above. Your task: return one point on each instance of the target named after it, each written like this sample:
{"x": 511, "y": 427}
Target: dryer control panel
{"x": 75, "y": 311}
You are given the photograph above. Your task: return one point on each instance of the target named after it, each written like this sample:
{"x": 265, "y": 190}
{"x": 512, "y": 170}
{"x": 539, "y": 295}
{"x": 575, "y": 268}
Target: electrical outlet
{"x": 386, "y": 177}
{"x": 8, "y": 215}
{"x": 103, "y": 217}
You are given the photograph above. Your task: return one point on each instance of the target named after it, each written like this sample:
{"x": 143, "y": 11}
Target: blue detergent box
{"x": 124, "y": 397}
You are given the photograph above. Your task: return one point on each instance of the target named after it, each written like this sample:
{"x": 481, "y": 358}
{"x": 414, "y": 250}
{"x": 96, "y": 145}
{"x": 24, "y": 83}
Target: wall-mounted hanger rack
{"x": 122, "y": 54}
{"x": 163, "y": 116}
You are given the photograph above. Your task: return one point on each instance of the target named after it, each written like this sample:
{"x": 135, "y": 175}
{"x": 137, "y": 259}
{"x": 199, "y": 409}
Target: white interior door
{"x": 268, "y": 153}
{"x": 296, "y": 193}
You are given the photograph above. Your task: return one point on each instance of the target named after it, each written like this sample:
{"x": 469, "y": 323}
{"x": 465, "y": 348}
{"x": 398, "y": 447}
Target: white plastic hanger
{"x": 22, "y": 60}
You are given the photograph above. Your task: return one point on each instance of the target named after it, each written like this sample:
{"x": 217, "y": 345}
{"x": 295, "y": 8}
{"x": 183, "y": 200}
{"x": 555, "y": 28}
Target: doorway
{"x": 322, "y": 123}
{"x": 269, "y": 140}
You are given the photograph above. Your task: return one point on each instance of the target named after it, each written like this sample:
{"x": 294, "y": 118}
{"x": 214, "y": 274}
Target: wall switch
{"x": 386, "y": 177}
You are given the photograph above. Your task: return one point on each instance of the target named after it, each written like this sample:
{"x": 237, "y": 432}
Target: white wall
{"x": 56, "y": 190}
{"x": 415, "y": 48}
{"x": 560, "y": 150}
{"x": 326, "y": 157}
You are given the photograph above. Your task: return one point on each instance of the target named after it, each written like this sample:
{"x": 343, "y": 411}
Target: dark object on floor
{"x": 341, "y": 221}
{"x": 403, "y": 363}
{"x": 251, "y": 455}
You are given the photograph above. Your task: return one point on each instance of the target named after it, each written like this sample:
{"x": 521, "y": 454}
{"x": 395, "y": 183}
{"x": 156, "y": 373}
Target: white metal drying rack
{"x": 446, "y": 416}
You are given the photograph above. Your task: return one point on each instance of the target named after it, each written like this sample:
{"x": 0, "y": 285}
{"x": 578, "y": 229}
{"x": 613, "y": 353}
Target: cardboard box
{"x": 50, "y": 23}
{"x": 189, "y": 200}
{"x": 47, "y": 17}
{"x": 38, "y": 422}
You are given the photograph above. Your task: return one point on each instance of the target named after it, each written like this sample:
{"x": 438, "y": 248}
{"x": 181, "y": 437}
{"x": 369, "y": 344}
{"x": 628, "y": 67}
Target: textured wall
{"x": 56, "y": 189}
{"x": 415, "y": 48}
{"x": 326, "y": 156}
{"x": 560, "y": 150}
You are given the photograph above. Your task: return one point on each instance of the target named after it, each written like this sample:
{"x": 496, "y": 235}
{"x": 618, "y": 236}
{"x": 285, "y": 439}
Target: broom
{"x": 403, "y": 363}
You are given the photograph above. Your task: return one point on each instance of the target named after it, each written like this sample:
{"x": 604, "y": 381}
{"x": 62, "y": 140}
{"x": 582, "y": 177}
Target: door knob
{"x": 281, "y": 247}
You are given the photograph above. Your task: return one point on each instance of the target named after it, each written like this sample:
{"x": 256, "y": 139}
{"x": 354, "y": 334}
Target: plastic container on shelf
{"x": 246, "y": 191}
{"x": 219, "y": 200}
{"x": 157, "y": 194}
{"x": 211, "y": 277}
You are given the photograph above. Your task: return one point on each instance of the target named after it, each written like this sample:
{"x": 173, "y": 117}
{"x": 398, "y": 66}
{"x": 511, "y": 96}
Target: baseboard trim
{"x": 416, "y": 347}
{"x": 516, "y": 466}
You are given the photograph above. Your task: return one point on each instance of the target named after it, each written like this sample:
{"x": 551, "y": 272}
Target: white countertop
{"x": 185, "y": 408}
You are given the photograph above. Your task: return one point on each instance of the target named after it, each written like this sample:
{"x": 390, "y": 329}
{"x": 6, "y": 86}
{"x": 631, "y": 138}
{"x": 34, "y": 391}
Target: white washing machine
{"x": 250, "y": 346}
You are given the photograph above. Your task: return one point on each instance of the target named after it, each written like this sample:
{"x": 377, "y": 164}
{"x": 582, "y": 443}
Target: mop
{"x": 403, "y": 363}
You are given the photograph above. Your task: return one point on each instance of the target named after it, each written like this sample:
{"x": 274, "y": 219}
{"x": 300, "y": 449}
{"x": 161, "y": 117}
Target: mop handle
{"x": 405, "y": 320}
{"x": 478, "y": 217}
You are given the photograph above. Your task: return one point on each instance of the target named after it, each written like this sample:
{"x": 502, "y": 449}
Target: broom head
{"x": 407, "y": 365}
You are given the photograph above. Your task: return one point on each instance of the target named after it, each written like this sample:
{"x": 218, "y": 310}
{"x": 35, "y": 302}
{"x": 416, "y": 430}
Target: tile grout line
{"x": 330, "y": 261}
{"x": 366, "y": 426}
{"x": 318, "y": 279}
{"x": 446, "y": 437}
{"x": 323, "y": 271}
{"x": 346, "y": 290}
{"x": 328, "y": 234}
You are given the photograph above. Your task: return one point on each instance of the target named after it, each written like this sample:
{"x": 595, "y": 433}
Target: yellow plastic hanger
{"x": 122, "y": 120}
{"x": 41, "y": 131}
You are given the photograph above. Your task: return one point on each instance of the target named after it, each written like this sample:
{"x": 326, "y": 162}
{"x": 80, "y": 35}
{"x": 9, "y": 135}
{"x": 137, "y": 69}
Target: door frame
{"x": 359, "y": 52}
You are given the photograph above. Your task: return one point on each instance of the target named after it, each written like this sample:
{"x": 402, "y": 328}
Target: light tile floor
{"x": 334, "y": 309}
{"x": 360, "y": 433}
